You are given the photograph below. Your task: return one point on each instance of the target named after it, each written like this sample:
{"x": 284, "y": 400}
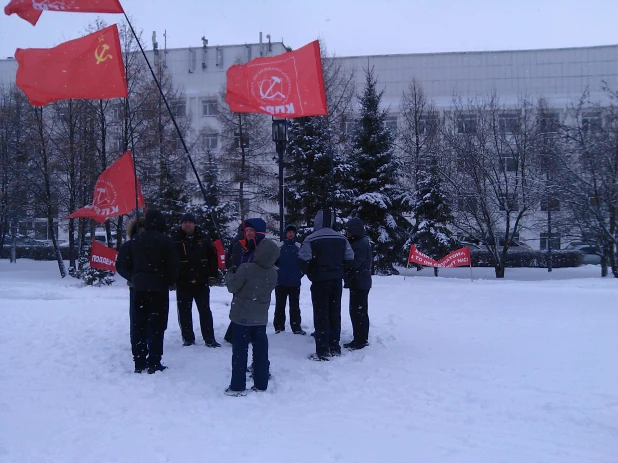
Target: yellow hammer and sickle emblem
{"x": 101, "y": 56}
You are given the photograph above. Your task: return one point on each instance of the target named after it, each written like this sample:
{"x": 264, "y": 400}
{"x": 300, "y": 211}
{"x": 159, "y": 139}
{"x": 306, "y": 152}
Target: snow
{"x": 516, "y": 370}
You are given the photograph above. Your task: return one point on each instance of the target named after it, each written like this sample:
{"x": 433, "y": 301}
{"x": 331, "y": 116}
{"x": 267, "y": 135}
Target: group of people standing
{"x": 153, "y": 263}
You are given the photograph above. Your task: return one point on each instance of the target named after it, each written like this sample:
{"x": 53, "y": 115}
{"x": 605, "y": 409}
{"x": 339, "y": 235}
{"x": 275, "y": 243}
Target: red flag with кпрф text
{"x": 114, "y": 192}
{"x": 90, "y": 68}
{"x": 31, "y": 10}
{"x": 288, "y": 85}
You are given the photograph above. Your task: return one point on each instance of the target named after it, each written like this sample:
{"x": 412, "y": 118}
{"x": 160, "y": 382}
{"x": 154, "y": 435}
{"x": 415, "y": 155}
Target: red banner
{"x": 220, "y": 253}
{"x": 114, "y": 192}
{"x": 459, "y": 258}
{"x": 418, "y": 257}
{"x": 287, "y": 86}
{"x": 89, "y": 68}
{"x": 31, "y": 10}
{"x": 102, "y": 257}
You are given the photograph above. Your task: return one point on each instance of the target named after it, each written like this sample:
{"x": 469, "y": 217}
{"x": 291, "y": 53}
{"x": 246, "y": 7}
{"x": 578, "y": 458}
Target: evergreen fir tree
{"x": 90, "y": 276}
{"x": 373, "y": 191}
{"x": 431, "y": 234}
{"x": 171, "y": 197}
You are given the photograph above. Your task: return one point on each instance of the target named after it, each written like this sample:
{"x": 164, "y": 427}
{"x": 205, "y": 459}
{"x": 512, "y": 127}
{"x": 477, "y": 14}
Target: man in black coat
{"x": 153, "y": 264}
{"x": 358, "y": 279}
{"x": 322, "y": 257}
{"x": 198, "y": 271}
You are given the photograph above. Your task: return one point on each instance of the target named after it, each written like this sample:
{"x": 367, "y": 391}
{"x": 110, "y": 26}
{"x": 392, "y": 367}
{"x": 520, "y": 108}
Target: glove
{"x": 233, "y": 269}
{"x": 212, "y": 281}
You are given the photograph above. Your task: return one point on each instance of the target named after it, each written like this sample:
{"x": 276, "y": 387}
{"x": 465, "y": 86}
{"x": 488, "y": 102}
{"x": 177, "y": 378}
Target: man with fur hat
{"x": 322, "y": 256}
{"x": 153, "y": 264}
{"x": 288, "y": 283}
{"x": 198, "y": 271}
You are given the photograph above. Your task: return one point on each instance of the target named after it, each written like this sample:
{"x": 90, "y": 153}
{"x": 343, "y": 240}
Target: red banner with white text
{"x": 459, "y": 258}
{"x": 418, "y": 257}
{"x": 102, "y": 257}
{"x": 31, "y": 10}
{"x": 220, "y": 253}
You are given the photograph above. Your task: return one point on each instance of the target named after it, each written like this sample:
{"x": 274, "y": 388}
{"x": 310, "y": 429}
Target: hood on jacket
{"x": 266, "y": 253}
{"x": 155, "y": 221}
{"x": 325, "y": 218}
{"x": 132, "y": 226}
{"x": 356, "y": 227}
{"x": 259, "y": 225}
{"x": 289, "y": 227}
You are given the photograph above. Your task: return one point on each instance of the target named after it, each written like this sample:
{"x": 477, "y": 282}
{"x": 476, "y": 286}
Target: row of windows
{"x": 470, "y": 204}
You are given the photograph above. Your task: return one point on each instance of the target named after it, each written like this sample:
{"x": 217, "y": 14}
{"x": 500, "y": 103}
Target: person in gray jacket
{"x": 252, "y": 285}
{"x": 358, "y": 279}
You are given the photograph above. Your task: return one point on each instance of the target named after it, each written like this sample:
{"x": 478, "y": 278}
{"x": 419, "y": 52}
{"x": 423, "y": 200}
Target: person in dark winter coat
{"x": 358, "y": 279}
{"x": 153, "y": 264}
{"x": 198, "y": 271}
{"x": 243, "y": 250}
{"x": 252, "y": 285}
{"x": 132, "y": 230}
{"x": 322, "y": 257}
{"x": 288, "y": 283}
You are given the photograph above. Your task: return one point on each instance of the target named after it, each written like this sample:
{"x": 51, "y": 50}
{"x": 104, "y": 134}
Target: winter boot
{"x": 233, "y": 393}
{"x": 154, "y": 368}
{"x": 212, "y": 343}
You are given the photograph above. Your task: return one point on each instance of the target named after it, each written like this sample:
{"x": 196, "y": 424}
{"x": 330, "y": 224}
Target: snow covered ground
{"x": 522, "y": 370}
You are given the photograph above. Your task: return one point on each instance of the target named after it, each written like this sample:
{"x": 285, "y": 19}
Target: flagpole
{"x": 406, "y": 274}
{"x": 132, "y": 141}
{"x": 169, "y": 110}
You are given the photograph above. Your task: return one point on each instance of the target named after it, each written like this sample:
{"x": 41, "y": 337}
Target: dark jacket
{"x": 132, "y": 230}
{"x": 244, "y": 249}
{"x": 324, "y": 252}
{"x": 252, "y": 285}
{"x": 358, "y": 275}
{"x": 151, "y": 258}
{"x": 288, "y": 266}
{"x": 198, "y": 258}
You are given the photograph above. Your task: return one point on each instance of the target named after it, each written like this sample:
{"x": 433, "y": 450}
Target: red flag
{"x": 31, "y": 10}
{"x": 288, "y": 85}
{"x": 114, "y": 192}
{"x": 459, "y": 258}
{"x": 90, "y": 68}
{"x": 220, "y": 253}
{"x": 419, "y": 258}
{"x": 102, "y": 257}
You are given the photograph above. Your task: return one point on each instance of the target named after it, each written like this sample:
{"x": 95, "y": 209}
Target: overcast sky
{"x": 348, "y": 27}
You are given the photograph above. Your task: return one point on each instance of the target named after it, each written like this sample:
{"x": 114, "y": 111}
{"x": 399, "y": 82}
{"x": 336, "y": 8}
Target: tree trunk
{"x": 14, "y": 242}
{"x": 435, "y": 271}
{"x": 499, "y": 270}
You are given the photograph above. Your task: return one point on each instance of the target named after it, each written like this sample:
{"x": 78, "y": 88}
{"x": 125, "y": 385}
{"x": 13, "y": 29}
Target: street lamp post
{"x": 280, "y": 137}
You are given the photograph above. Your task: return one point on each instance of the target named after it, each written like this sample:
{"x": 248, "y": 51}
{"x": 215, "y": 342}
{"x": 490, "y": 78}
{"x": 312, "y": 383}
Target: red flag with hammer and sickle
{"x": 88, "y": 68}
{"x": 288, "y": 85}
{"x": 31, "y": 10}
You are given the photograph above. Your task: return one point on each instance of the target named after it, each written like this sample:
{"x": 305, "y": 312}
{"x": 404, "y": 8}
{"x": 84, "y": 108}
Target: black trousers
{"x": 282, "y": 293}
{"x": 150, "y": 314}
{"x": 185, "y": 298}
{"x": 359, "y": 314}
{"x": 326, "y": 299}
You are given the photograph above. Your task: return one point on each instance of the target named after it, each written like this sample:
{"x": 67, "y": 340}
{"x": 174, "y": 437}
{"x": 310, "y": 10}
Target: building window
{"x": 509, "y": 123}
{"x": 554, "y": 204}
{"x": 245, "y": 141}
{"x": 555, "y": 241}
{"x": 179, "y": 108}
{"x": 508, "y": 163}
{"x": 210, "y": 141}
{"x": 467, "y": 203}
{"x": 427, "y": 125}
{"x": 549, "y": 122}
{"x": 118, "y": 112}
{"x": 592, "y": 121}
{"x": 117, "y": 143}
{"x": 349, "y": 126}
{"x": 390, "y": 123}
{"x": 467, "y": 123}
{"x": 508, "y": 202}
{"x": 210, "y": 108}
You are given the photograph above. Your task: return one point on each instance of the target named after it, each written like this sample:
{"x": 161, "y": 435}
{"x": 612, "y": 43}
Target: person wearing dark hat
{"x": 198, "y": 271}
{"x": 322, "y": 257}
{"x": 153, "y": 264}
{"x": 288, "y": 283}
{"x": 358, "y": 279}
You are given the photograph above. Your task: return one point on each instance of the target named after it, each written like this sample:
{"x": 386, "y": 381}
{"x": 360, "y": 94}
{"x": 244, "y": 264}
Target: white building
{"x": 560, "y": 76}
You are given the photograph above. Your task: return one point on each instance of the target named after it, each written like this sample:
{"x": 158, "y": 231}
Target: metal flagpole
{"x": 132, "y": 142}
{"x": 182, "y": 140}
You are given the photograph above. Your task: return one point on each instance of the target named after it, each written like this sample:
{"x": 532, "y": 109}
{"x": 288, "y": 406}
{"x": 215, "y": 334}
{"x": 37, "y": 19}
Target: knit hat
{"x": 187, "y": 217}
{"x": 290, "y": 227}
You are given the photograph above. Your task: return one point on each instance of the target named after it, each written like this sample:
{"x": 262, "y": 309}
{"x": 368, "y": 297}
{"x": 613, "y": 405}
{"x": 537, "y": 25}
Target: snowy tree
{"x": 373, "y": 191}
{"x": 433, "y": 217}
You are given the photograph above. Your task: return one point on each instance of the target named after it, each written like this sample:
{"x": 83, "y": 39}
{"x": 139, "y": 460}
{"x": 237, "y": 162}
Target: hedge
{"x": 34, "y": 252}
{"x": 532, "y": 259}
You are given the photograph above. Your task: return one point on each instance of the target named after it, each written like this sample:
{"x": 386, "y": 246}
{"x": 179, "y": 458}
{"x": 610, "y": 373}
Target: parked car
{"x": 591, "y": 254}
